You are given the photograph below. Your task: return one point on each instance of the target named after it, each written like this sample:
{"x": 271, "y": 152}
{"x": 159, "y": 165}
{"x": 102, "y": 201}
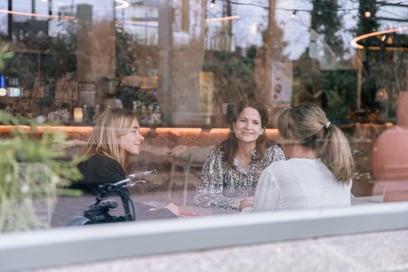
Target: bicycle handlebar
{"x": 132, "y": 179}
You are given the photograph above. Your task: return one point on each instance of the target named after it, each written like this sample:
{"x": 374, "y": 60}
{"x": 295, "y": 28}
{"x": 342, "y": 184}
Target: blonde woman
{"x": 114, "y": 138}
{"x": 319, "y": 167}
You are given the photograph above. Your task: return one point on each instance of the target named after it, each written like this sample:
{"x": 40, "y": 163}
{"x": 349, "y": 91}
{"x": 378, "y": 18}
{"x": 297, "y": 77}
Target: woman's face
{"x": 132, "y": 140}
{"x": 248, "y": 126}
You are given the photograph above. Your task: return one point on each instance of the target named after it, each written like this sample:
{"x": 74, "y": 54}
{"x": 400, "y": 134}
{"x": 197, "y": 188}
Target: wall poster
{"x": 281, "y": 82}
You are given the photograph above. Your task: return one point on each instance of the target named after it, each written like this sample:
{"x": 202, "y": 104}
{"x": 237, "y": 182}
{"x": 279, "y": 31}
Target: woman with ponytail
{"x": 319, "y": 167}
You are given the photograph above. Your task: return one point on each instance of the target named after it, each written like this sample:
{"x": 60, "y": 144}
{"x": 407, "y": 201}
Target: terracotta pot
{"x": 389, "y": 159}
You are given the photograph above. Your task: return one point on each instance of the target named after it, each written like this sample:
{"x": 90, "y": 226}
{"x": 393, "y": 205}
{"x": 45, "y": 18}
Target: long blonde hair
{"x": 308, "y": 125}
{"x": 104, "y": 139}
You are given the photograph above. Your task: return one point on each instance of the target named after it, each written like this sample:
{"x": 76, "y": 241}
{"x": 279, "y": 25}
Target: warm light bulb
{"x": 3, "y": 92}
{"x": 367, "y": 14}
{"x": 78, "y": 114}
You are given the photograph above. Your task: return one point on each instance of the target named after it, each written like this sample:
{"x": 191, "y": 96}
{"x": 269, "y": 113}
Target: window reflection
{"x": 182, "y": 66}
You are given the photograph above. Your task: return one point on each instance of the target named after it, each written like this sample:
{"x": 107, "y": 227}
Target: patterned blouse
{"x": 224, "y": 187}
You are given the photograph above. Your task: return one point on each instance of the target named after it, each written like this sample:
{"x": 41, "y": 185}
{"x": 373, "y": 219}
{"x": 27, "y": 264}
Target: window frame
{"x": 85, "y": 244}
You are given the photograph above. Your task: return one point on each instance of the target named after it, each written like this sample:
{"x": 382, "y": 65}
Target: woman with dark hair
{"x": 230, "y": 174}
{"x": 319, "y": 167}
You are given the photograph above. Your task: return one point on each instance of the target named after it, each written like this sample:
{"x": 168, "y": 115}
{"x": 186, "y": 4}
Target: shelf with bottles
{"x": 149, "y": 114}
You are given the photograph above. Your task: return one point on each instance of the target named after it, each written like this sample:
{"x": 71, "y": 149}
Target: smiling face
{"x": 248, "y": 126}
{"x": 132, "y": 140}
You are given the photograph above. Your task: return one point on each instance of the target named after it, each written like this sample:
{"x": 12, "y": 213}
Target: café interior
{"x": 182, "y": 65}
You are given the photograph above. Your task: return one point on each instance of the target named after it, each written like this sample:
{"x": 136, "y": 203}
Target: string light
{"x": 293, "y": 16}
{"x": 121, "y": 5}
{"x": 367, "y": 13}
{"x": 212, "y": 4}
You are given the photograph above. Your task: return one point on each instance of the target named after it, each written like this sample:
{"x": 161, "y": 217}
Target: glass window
{"x": 183, "y": 66}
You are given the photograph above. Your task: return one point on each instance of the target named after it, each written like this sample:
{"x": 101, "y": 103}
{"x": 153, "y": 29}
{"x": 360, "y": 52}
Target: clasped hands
{"x": 246, "y": 203}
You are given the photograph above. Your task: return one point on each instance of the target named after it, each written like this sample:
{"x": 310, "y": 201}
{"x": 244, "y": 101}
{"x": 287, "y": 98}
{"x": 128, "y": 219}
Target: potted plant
{"x": 33, "y": 169}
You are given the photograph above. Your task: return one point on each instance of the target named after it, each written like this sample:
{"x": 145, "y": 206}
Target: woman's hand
{"x": 246, "y": 203}
{"x": 173, "y": 208}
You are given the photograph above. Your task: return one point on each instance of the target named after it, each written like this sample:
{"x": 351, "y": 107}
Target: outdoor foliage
{"x": 340, "y": 89}
{"x": 33, "y": 168}
{"x": 326, "y": 22}
{"x": 234, "y": 75}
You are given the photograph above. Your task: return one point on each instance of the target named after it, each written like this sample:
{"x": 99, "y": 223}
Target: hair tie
{"x": 327, "y": 125}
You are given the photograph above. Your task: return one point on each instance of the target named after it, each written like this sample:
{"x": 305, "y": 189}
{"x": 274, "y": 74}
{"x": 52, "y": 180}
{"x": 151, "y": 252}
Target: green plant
{"x": 4, "y": 54}
{"x": 33, "y": 169}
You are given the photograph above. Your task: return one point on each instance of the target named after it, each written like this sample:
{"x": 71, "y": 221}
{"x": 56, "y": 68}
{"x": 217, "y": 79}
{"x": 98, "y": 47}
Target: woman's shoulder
{"x": 100, "y": 160}
{"x": 98, "y": 169}
{"x": 215, "y": 156}
{"x": 279, "y": 169}
{"x": 275, "y": 152}
{"x": 217, "y": 151}
{"x": 298, "y": 165}
{"x": 279, "y": 164}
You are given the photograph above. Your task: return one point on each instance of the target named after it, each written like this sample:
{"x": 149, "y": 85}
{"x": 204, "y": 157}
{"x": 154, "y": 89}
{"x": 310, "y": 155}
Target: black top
{"x": 100, "y": 169}
{"x": 97, "y": 170}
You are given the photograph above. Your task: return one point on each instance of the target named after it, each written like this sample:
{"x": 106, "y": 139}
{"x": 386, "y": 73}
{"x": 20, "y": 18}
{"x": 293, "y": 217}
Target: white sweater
{"x": 299, "y": 184}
